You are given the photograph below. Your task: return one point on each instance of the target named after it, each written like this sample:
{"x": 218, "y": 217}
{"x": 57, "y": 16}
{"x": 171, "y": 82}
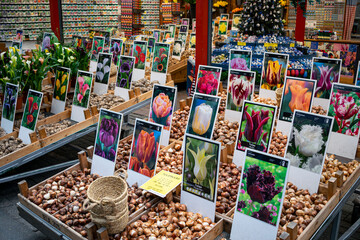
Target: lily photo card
{"x": 240, "y": 59}
{"x": 208, "y": 80}
{"x": 30, "y": 115}
{"x": 102, "y": 73}
{"x": 9, "y": 107}
{"x": 124, "y": 76}
{"x": 162, "y": 106}
{"x": 274, "y": 69}
{"x": 298, "y": 94}
{"x": 200, "y": 174}
{"x": 106, "y": 142}
{"x": 255, "y": 130}
{"x": 202, "y": 117}
{"x": 62, "y": 77}
{"x": 144, "y": 153}
{"x": 325, "y": 71}
{"x": 306, "y": 148}
{"x": 260, "y": 196}
{"x": 139, "y": 52}
{"x": 160, "y": 62}
{"x": 240, "y": 88}
{"x": 345, "y": 108}
{"x": 97, "y": 47}
{"x": 81, "y": 95}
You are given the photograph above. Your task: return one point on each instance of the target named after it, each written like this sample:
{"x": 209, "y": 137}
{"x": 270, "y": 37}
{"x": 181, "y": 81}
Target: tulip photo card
{"x": 62, "y": 77}
{"x": 345, "y": 108}
{"x": 177, "y": 49}
{"x": 9, "y": 107}
{"x": 192, "y": 41}
{"x": 236, "y": 22}
{"x": 273, "y": 74}
{"x": 116, "y": 49}
{"x": 139, "y": 52}
{"x": 160, "y": 63}
{"x": 260, "y": 196}
{"x": 46, "y": 42}
{"x": 200, "y": 175}
{"x": 306, "y": 148}
{"x": 223, "y": 26}
{"x": 30, "y": 115}
{"x": 162, "y": 108}
{"x": 208, "y": 80}
{"x": 124, "y": 76}
{"x": 183, "y": 38}
{"x": 106, "y": 143}
{"x": 185, "y": 21}
{"x": 297, "y": 94}
{"x": 202, "y": 117}
{"x": 224, "y": 16}
{"x": 255, "y": 130}
{"x": 102, "y": 73}
{"x": 240, "y": 59}
{"x": 240, "y": 88}
{"x": 81, "y": 95}
{"x": 19, "y": 37}
{"x": 325, "y": 71}
{"x": 97, "y": 47}
{"x": 144, "y": 153}
{"x": 156, "y": 35}
{"x": 167, "y": 35}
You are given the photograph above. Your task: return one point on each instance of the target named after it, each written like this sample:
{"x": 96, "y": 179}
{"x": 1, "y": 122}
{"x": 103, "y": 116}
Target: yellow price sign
{"x": 267, "y": 45}
{"x": 292, "y": 44}
{"x": 162, "y": 183}
{"x": 241, "y": 43}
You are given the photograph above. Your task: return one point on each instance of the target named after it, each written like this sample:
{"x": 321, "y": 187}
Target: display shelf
{"x": 75, "y": 12}
{"x": 23, "y": 14}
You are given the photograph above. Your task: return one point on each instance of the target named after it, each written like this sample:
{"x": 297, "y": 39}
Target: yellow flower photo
{"x": 223, "y": 27}
{"x": 61, "y": 83}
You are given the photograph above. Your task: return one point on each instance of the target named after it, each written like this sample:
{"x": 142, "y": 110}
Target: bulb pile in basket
{"x": 225, "y": 131}
{"x": 300, "y": 206}
{"x": 53, "y": 128}
{"x": 144, "y": 84}
{"x": 171, "y": 160}
{"x": 332, "y": 165}
{"x": 10, "y": 145}
{"x": 167, "y": 221}
{"x": 105, "y": 101}
{"x": 228, "y": 185}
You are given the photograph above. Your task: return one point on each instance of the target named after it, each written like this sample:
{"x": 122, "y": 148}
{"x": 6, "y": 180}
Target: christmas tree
{"x": 261, "y": 17}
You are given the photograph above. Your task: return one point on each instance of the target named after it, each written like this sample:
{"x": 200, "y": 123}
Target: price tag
{"x": 292, "y": 44}
{"x": 162, "y": 183}
{"x": 241, "y": 43}
{"x": 267, "y": 45}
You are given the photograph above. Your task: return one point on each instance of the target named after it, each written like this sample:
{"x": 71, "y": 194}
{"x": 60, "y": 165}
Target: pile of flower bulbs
{"x": 53, "y": 128}
{"x": 167, "y": 221}
{"x": 228, "y": 185}
{"x": 332, "y": 165}
{"x": 318, "y": 110}
{"x": 171, "y": 160}
{"x": 10, "y": 145}
{"x": 2, "y": 132}
{"x": 179, "y": 121}
{"x": 222, "y": 106}
{"x": 225, "y": 131}
{"x": 144, "y": 84}
{"x": 301, "y": 207}
{"x": 106, "y": 101}
{"x": 267, "y": 101}
{"x": 122, "y": 158}
{"x": 278, "y": 144}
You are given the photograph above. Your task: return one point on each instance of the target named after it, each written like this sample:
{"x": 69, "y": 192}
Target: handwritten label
{"x": 162, "y": 183}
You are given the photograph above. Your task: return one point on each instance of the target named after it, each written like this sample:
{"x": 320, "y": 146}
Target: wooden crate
{"x": 178, "y": 71}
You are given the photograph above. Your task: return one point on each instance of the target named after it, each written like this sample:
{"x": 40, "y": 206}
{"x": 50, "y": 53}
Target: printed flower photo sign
{"x": 9, "y": 104}
{"x": 255, "y": 127}
{"x": 208, "y": 80}
{"x": 62, "y": 77}
{"x": 125, "y": 71}
{"x": 139, "y": 52}
{"x": 31, "y": 110}
{"x": 201, "y": 164}
{"x": 82, "y": 89}
{"x": 172, "y": 28}
{"x": 297, "y": 95}
{"x": 240, "y": 60}
{"x": 274, "y": 69}
{"x": 325, "y": 71}
{"x": 236, "y": 21}
{"x": 103, "y": 68}
{"x": 223, "y": 26}
{"x": 240, "y": 88}
{"x": 116, "y": 49}
{"x": 145, "y": 148}
{"x": 46, "y": 41}
{"x": 160, "y": 58}
{"x": 202, "y": 115}
{"x": 97, "y": 47}
{"x": 177, "y": 49}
